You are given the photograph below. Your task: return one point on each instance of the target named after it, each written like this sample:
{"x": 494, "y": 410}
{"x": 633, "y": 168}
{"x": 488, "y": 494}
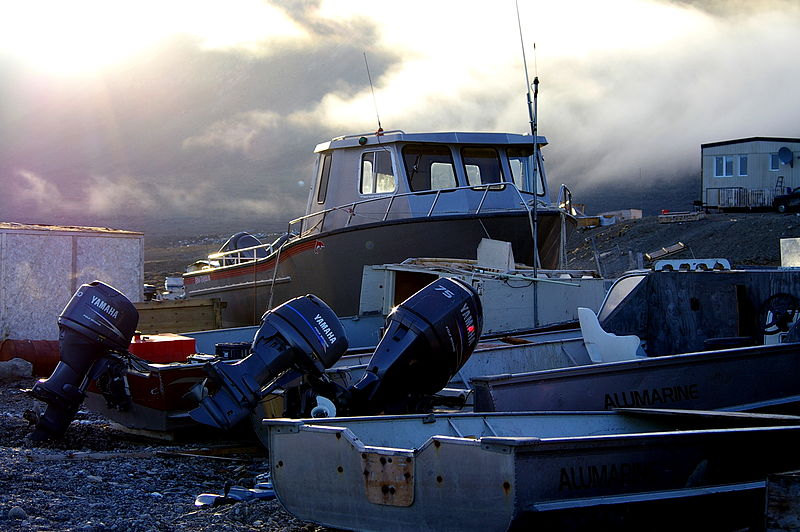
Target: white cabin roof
{"x": 451, "y": 137}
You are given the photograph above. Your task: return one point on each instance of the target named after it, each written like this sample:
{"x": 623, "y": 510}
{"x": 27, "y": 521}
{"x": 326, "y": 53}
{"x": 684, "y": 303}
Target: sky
{"x": 204, "y": 112}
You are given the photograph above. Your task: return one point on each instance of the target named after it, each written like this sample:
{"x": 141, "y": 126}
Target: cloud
{"x": 236, "y": 134}
{"x": 200, "y": 118}
{"x": 35, "y": 189}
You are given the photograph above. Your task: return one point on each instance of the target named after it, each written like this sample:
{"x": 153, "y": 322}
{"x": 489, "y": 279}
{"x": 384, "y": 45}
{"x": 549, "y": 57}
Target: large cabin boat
{"x": 382, "y": 198}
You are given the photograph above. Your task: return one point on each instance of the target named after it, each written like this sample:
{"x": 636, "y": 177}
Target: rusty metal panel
{"x": 388, "y": 478}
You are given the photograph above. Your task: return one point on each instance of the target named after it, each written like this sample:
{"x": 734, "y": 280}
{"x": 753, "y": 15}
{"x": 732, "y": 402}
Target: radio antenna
{"x": 535, "y": 174}
{"x": 374, "y": 100}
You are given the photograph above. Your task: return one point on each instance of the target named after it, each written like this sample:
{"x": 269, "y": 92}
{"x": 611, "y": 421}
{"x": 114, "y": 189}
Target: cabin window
{"x": 723, "y": 166}
{"x": 324, "y": 174}
{"x": 743, "y": 165}
{"x": 376, "y": 173}
{"x": 521, "y": 161}
{"x": 774, "y": 162}
{"x": 429, "y": 167}
{"x": 482, "y": 165}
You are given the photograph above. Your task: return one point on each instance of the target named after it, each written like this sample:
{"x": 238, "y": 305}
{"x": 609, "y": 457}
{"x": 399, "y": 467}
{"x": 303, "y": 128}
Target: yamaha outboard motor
{"x": 96, "y": 321}
{"x": 428, "y": 338}
{"x": 302, "y": 333}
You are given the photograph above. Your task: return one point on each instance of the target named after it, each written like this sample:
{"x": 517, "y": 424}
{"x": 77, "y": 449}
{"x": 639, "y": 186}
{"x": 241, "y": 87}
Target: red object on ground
{"x": 162, "y": 348}
{"x": 43, "y": 354}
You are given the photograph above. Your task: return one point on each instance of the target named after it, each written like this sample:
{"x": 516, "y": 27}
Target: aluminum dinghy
{"x": 500, "y": 471}
{"x": 759, "y": 378}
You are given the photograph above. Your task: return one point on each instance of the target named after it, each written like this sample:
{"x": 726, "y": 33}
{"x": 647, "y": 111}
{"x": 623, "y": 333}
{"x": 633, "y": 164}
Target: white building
{"x": 748, "y": 172}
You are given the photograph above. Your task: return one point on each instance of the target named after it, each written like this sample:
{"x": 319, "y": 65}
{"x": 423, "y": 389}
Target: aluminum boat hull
{"x": 499, "y": 471}
{"x": 760, "y": 378}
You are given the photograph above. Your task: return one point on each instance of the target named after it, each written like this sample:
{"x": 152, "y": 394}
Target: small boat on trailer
{"x": 625, "y": 470}
{"x": 382, "y": 198}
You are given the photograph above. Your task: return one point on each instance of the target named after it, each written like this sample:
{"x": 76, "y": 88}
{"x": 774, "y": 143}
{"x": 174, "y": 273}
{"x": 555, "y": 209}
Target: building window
{"x": 376, "y": 173}
{"x": 723, "y": 166}
{"x": 774, "y": 162}
{"x": 743, "y": 165}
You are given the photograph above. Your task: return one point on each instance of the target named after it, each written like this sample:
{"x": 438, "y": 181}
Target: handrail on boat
{"x": 526, "y": 200}
{"x": 352, "y": 208}
{"x": 564, "y": 199}
{"x": 370, "y": 134}
{"x": 225, "y": 254}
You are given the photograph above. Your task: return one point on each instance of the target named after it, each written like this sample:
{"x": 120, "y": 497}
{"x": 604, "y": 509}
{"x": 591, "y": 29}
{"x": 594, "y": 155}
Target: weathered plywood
{"x": 36, "y": 273}
{"x": 790, "y": 252}
{"x": 115, "y": 261}
{"x": 179, "y": 316}
{"x": 42, "y": 266}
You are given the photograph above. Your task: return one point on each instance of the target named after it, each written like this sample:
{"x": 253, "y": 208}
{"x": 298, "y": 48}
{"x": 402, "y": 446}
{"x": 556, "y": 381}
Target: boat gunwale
{"x": 626, "y": 366}
{"x": 260, "y": 261}
{"x": 769, "y": 423}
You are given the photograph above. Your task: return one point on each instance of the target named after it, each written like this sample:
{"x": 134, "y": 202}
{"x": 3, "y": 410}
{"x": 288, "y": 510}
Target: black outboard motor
{"x": 97, "y": 320}
{"x": 302, "y": 333}
{"x": 428, "y": 339}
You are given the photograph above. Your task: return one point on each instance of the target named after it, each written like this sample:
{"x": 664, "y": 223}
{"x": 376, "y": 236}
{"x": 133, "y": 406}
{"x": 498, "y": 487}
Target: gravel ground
{"x": 746, "y": 239}
{"x": 97, "y": 478}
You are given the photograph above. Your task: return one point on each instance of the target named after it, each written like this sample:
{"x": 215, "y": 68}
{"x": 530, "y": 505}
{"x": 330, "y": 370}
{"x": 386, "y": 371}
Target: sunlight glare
{"x": 85, "y": 35}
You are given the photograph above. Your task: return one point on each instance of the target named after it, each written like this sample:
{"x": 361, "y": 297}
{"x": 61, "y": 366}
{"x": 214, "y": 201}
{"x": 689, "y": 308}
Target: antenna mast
{"x": 374, "y": 100}
{"x": 532, "y": 112}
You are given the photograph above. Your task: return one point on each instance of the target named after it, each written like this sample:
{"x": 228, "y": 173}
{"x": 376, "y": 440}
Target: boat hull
{"x": 495, "y": 472}
{"x": 330, "y": 265}
{"x": 761, "y": 378}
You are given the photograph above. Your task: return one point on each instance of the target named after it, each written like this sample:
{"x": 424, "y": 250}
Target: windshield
{"x": 429, "y": 167}
{"x": 521, "y": 161}
{"x": 482, "y": 165}
{"x": 618, "y": 292}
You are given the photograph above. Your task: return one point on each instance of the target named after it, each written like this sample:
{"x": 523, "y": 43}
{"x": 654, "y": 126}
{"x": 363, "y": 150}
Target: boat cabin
{"x": 362, "y": 179}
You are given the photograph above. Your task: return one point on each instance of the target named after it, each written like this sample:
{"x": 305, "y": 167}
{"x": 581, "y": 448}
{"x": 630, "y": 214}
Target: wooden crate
{"x": 588, "y": 221}
{"x": 179, "y": 316}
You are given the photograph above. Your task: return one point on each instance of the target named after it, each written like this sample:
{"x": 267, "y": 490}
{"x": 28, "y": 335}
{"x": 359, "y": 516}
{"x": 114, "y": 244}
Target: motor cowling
{"x": 303, "y": 333}
{"x": 96, "y": 320}
{"x": 427, "y": 339}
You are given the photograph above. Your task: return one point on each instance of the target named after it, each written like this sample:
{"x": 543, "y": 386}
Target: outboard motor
{"x": 428, "y": 338}
{"x": 302, "y": 333}
{"x": 97, "y": 320}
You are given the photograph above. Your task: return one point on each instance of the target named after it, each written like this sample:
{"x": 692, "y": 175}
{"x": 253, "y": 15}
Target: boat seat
{"x": 603, "y": 346}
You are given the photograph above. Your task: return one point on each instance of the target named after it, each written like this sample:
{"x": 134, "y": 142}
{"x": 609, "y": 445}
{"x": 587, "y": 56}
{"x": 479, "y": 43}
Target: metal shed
{"x": 41, "y": 266}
